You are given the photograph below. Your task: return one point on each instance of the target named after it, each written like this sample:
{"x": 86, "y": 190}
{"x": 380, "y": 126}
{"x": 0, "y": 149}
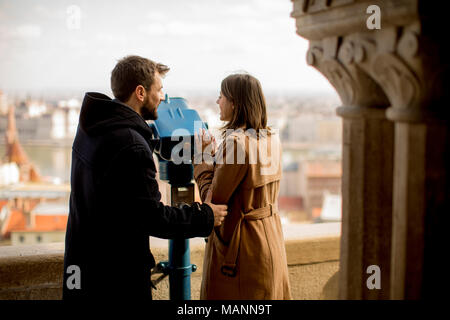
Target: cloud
{"x": 29, "y": 31}
{"x": 182, "y": 28}
{"x": 76, "y": 43}
{"x": 153, "y": 29}
{"x": 111, "y": 37}
{"x": 48, "y": 12}
{"x": 207, "y": 39}
{"x": 157, "y": 16}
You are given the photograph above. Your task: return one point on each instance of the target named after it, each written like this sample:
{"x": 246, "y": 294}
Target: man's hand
{"x": 220, "y": 211}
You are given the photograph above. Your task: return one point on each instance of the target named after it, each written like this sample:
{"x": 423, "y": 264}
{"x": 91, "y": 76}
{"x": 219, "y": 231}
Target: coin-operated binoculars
{"x": 174, "y": 129}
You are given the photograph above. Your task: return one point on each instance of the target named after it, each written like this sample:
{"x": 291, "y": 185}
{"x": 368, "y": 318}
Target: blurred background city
{"x": 51, "y": 53}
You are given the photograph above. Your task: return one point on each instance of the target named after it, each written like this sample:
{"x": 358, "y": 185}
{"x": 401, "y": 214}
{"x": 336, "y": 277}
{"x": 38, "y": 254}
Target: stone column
{"x": 367, "y": 201}
{"x": 367, "y": 168}
{"x": 413, "y": 75}
{"x": 407, "y": 65}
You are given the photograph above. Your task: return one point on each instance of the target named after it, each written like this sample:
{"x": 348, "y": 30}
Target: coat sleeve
{"x": 203, "y": 174}
{"x": 135, "y": 176}
{"x": 228, "y": 171}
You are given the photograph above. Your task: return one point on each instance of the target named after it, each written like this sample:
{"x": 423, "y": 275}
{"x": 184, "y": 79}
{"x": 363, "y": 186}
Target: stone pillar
{"x": 367, "y": 201}
{"x": 396, "y": 187}
{"x": 421, "y": 195}
{"x": 367, "y": 168}
{"x": 415, "y": 77}
{"x": 409, "y": 66}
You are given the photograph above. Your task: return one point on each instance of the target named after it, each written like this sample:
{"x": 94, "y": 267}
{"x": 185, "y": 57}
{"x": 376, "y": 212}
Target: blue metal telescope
{"x": 174, "y": 129}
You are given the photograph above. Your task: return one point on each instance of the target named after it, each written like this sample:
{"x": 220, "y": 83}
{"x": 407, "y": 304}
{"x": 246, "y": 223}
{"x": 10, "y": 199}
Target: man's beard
{"x": 147, "y": 113}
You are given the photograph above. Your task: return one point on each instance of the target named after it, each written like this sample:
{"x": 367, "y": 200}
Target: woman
{"x": 245, "y": 257}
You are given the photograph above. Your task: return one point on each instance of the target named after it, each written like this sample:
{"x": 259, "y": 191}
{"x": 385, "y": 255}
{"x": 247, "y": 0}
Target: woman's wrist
{"x": 202, "y": 157}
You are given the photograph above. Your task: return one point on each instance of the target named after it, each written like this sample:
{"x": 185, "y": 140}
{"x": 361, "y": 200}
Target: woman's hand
{"x": 204, "y": 142}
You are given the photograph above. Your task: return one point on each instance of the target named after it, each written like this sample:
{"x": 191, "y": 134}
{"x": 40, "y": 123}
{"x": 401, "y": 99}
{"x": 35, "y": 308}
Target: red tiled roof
{"x": 15, "y": 221}
{"x": 290, "y": 203}
{"x": 15, "y": 152}
{"x": 323, "y": 169}
{"x": 3, "y": 203}
{"x": 49, "y": 223}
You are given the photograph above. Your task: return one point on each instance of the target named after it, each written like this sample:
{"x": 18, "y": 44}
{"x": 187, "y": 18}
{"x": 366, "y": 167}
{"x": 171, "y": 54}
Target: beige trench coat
{"x": 245, "y": 258}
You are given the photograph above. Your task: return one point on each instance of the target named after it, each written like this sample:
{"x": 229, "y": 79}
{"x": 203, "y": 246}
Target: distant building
{"x": 41, "y": 123}
{"x": 302, "y": 128}
{"x": 16, "y": 155}
{"x": 48, "y": 224}
{"x": 318, "y": 178}
{"x": 329, "y": 131}
{"x": 304, "y": 184}
{"x": 32, "y": 210}
{"x": 9, "y": 174}
{"x": 331, "y": 208}
{"x": 290, "y": 184}
{"x": 3, "y": 103}
{"x": 313, "y": 128}
{"x": 290, "y": 200}
{"x": 11, "y": 219}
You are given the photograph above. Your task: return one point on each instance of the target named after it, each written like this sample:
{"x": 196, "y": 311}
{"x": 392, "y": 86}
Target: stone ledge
{"x": 33, "y": 265}
{"x": 31, "y": 250}
{"x": 35, "y": 271}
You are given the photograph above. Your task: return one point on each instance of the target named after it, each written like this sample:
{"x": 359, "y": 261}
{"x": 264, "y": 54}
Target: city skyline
{"x": 73, "y": 45}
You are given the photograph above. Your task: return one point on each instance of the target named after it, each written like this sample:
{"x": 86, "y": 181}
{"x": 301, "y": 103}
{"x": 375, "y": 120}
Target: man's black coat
{"x": 115, "y": 205}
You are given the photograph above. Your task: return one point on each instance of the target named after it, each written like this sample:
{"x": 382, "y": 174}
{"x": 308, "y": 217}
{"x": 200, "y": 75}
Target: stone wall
{"x": 35, "y": 272}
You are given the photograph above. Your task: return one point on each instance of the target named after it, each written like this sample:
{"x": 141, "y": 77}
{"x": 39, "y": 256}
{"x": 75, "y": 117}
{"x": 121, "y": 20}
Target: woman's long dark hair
{"x": 245, "y": 93}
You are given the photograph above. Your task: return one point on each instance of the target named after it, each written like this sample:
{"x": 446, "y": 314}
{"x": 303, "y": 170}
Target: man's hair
{"x": 132, "y": 71}
{"x": 245, "y": 92}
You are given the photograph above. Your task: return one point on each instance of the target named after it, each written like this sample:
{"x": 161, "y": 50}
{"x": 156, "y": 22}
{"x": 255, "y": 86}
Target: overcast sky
{"x": 44, "y": 45}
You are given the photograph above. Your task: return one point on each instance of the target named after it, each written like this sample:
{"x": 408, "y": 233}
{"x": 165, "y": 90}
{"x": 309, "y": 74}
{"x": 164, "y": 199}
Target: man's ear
{"x": 140, "y": 93}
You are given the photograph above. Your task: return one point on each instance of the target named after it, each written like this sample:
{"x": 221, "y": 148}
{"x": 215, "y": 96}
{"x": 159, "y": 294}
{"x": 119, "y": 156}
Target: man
{"x": 115, "y": 202}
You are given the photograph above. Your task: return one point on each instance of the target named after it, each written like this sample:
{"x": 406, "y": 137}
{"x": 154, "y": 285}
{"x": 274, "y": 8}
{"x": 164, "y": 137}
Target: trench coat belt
{"x": 229, "y": 265}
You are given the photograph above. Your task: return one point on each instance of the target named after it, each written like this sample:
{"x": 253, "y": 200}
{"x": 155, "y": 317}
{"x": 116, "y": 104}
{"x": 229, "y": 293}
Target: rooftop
{"x": 43, "y": 209}
{"x": 35, "y": 190}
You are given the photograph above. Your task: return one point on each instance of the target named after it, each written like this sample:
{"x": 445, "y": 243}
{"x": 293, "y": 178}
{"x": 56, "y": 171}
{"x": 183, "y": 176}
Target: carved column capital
{"x": 397, "y": 66}
{"x": 337, "y": 63}
{"x": 404, "y": 64}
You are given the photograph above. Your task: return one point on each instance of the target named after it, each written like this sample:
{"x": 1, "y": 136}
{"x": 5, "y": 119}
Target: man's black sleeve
{"x": 132, "y": 179}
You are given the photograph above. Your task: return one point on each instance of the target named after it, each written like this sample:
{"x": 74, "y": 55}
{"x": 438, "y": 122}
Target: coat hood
{"x": 100, "y": 114}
